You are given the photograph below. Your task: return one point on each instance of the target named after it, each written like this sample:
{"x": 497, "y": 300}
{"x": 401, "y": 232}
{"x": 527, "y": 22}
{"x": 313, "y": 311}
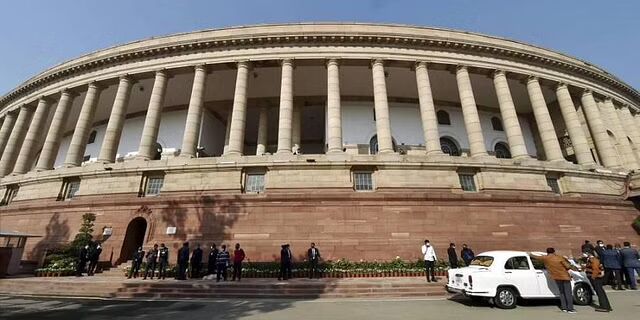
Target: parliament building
{"x": 366, "y": 139}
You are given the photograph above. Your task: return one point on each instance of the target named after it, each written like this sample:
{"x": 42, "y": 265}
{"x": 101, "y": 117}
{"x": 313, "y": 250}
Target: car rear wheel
{"x": 582, "y": 294}
{"x": 506, "y": 298}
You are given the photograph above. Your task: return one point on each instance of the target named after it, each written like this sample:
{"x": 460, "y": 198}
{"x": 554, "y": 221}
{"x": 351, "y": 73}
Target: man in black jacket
{"x": 453, "y": 257}
{"x": 196, "y": 262}
{"x": 466, "y": 254}
{"x": 285, "y": 262}
{"x": 83, "y": 256}
{"x": 213, "y": 255}
{"x": 163, "y": 261}
{"x": 136, "y": 263}
{"x": 313, "y": 254}
{"x": 152, "y": 259}
{"x": 183, "y": 261}
{"x": 93, "y": 259}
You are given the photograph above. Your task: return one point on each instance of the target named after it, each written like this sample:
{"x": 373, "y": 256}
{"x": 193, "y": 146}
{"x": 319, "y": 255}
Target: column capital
{"x": 461, "y": 67}
{"x": 288, "y": 61}
{"x": 531, "y": 78}
{"x": 127, "y": 78}
{"x": 69, "y": 92}
{"x": 377, "y": 62}
{"x": 95, "y": 85}
{"x": 44, "y": 98}
{"x": 246, "y": 64}
{"x": 420, "y": 64}
{"x": 498, "y": 72}
{"x": 587, "y": 91}
{"x": 162, "y": 72}
{"x": 561, "y": 85}
{"x": 332, "y": 61}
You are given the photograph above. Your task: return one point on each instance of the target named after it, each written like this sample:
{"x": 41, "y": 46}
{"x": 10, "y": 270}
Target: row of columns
{"x": 20, "y": 133}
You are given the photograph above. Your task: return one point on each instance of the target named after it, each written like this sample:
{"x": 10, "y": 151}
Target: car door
{"x": 546, "y": 286}
{"x": 518, "y": 272}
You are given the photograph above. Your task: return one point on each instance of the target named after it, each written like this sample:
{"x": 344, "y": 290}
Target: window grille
{"x": 154, "y": 184}
{"x": 254, "y": 183}
{"x": 362, "y": 181}
{"x": 9, "y": 194}
{"x": 553, "y": 184}
{"x": 467, "y": 181}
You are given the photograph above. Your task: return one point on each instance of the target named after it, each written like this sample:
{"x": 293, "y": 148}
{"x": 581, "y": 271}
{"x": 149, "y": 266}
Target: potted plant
{"x": 636, "y": 224}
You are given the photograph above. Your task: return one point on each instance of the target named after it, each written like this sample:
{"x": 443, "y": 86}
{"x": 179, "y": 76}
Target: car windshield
{"x": 482, "y": 261}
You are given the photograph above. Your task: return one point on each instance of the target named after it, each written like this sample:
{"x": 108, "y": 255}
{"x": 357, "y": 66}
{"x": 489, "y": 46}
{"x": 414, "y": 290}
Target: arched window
{"x": 443, "y": 117}
{"x": 92, "y": 137}
{"x": 373, "y": 145}
{"x": 502, "y": 151}
{"x": 449, "y": 146}
{"x": 496, "y": 123}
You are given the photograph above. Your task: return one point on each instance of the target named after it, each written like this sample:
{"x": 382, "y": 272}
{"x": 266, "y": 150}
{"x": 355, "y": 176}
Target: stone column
{"x": 56, "y": 129}
{"x": 5, "y": 131}
{"x": 334, "y": 110}
{"x": 227, "y": 132}
{"x": 15, "y": 140}
{"x": 547, "y": 132}
{"x": 427, "y": 110}
{"x": 82, "y": 130}
{"x": 261, "y": 146}
{"x": 152, "y": 120}
{"x": 194, "y": 114}
{"x": 509, "y": 116}
{"x": 296, "y": 134}
{"x": 112, "y": 135}
{"x": 630, "y": 126}
{"x": 239, "y": 114}
{"x": 383, "y": 124}
{"x": 627, "y": 155}
{"x": 606, "y": 151}
{"x": 572, "y": 122}
{"x": 286, "y": 108}
{"x": 34, "y": 137}
{"x": 470, "y": 113}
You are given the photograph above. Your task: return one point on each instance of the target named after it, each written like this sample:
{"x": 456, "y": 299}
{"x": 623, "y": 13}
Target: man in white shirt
{"x": 429, "y": 260}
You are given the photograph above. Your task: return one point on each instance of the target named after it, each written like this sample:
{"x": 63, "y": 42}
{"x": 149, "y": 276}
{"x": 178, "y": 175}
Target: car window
{"x": 537, "y": 264}
{"x": 482, "y": 261}
{"x": 517, "y": 263}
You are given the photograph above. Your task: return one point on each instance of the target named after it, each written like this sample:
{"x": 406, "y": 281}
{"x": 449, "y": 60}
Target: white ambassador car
{"x": 505, "y": 276}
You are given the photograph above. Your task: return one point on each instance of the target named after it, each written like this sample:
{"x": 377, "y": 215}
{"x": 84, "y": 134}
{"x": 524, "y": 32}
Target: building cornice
{"x": 327, "y": 35}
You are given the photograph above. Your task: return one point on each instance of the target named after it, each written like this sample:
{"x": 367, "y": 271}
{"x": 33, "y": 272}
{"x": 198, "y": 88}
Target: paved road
{"x": 626, "y": 305}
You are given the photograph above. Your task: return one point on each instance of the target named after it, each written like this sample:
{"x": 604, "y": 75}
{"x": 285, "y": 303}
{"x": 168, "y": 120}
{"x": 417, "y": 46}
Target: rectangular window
{"x": 69, "y": 188}
{"x": 467, "y": 182}
{"x": 154, "y": 184}
{"x": 553, "y": 184}
{"x": 254, "y": 183}
{"x": 9, "y": 194}
{"x": 362, "y": 181}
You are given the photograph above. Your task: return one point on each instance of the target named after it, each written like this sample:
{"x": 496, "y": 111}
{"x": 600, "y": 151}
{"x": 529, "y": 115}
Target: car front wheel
{"x": 582, "y": 294}
{"x": 506, "y": 298}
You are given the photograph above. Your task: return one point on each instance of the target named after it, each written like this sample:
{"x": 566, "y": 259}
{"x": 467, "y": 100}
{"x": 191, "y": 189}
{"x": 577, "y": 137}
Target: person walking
{"x": 211, "y": 263}
{"x": 596, "y": 276}
{"x": 152, "y": 259}
{"x": 453, "y": 257}
{"x": 429, "y": 255}
{"x": 238, "y": 257}
{"x": 623, "y": 272}
{"x": 136, "y": 263}
{"x": 612, "y": 267}
{"x": 94, "y": 257}
{"x": 558, "y": 268}
{"x": 313, "y": 255}
{"x": 196, "y": 262}
{"x": 163, "y": 261}
{"x": 466, "y": 254}
{"x": 222, "y": 262}
{"x": 183, "y": 261}
{"x": 599, "y": 249}
{"x": 631, "y": 263}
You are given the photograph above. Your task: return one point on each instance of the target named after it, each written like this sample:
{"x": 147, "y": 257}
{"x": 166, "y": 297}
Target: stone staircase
{"x": 108, "y": 286}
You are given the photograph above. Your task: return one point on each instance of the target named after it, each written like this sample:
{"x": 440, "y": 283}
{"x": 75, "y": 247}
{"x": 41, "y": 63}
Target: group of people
{"x": 88, "y": 257}
{"x": 430, "y": 258}
{"x": 218, "y": 263}
{"x": 620, "y": 263}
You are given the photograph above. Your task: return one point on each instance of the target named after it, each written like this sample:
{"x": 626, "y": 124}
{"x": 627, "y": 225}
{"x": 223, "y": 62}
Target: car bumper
{"x": 468, "y": 292}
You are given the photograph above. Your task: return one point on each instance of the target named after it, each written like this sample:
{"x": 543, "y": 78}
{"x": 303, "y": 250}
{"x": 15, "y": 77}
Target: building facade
{"x": 363, "y": 138}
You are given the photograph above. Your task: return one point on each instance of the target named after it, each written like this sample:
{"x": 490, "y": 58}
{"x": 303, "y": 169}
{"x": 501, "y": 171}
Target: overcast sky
{"x": 36, "y": 35}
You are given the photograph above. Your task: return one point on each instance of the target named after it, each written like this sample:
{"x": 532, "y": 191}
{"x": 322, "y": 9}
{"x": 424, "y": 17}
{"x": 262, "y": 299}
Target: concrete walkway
{"x": 626, "y": 306}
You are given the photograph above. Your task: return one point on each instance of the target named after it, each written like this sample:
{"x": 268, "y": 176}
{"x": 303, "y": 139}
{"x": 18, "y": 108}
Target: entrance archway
{"x": 133, "y": 239}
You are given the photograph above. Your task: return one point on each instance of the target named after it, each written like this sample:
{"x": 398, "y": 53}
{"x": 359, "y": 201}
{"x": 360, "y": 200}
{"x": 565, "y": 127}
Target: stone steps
{"x": 108, "y": 287}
